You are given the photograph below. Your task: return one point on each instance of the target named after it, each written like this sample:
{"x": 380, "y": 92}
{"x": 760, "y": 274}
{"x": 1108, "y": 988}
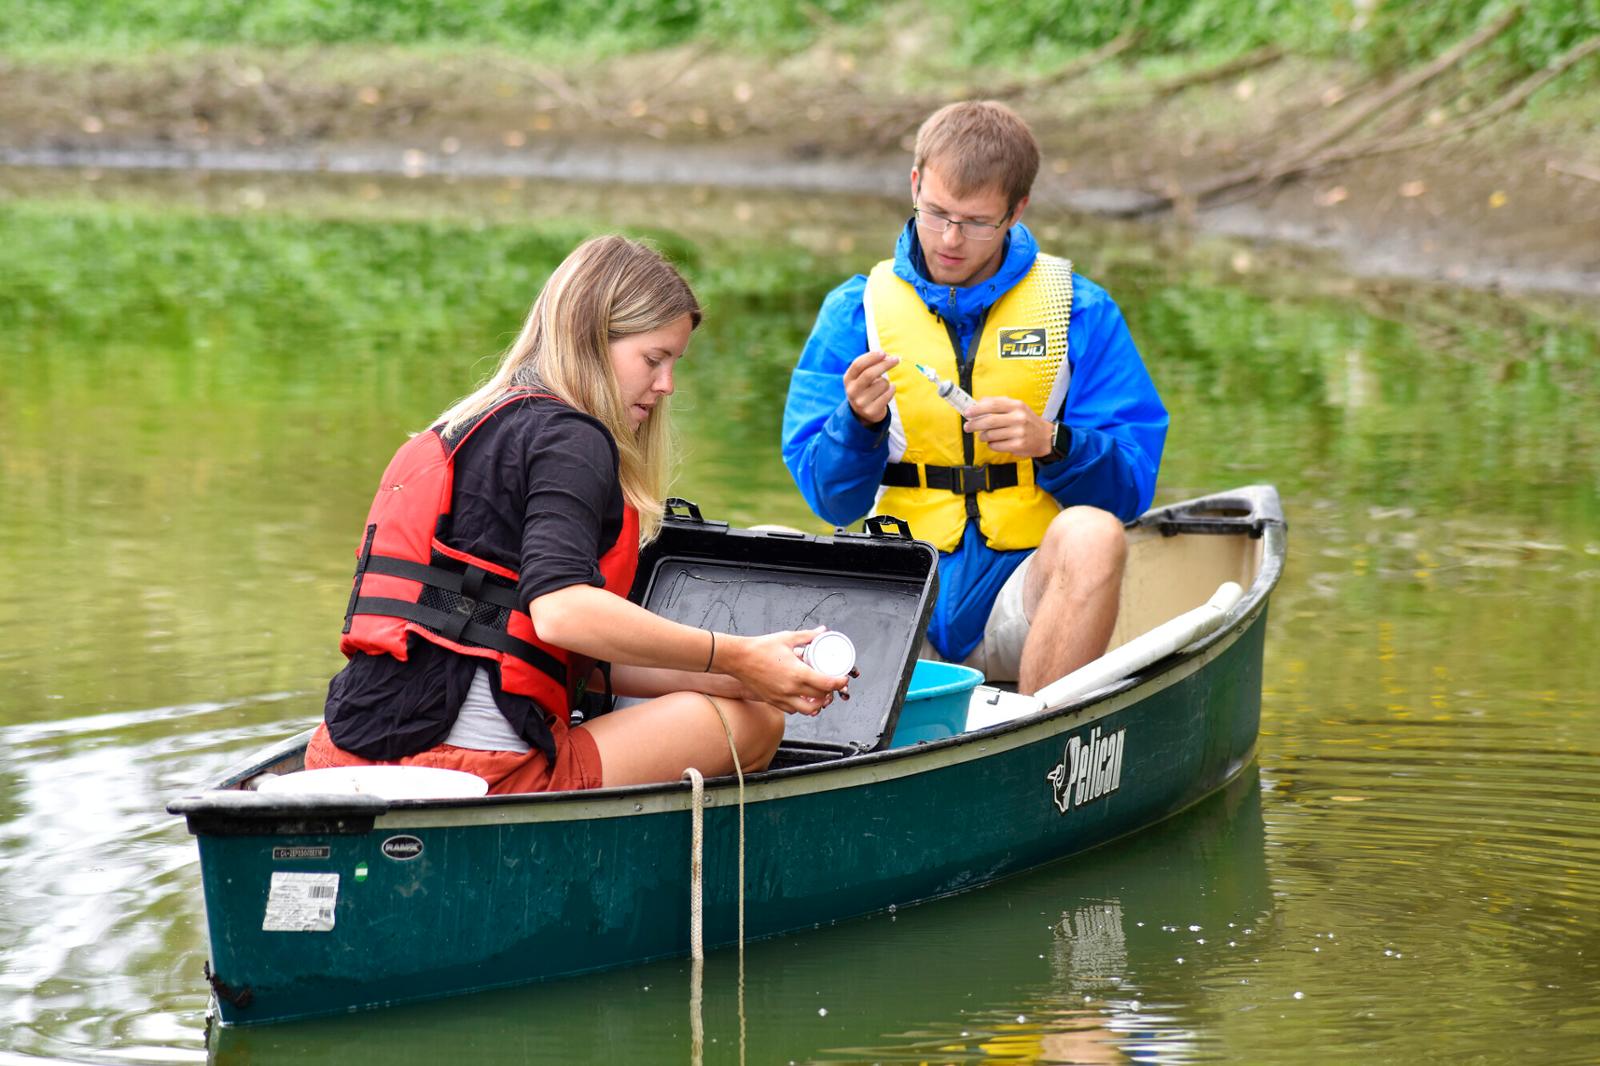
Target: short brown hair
{"x": 977, "y": 144}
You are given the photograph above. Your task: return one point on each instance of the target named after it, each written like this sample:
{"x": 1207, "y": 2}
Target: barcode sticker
{"x": 301, "y": 903}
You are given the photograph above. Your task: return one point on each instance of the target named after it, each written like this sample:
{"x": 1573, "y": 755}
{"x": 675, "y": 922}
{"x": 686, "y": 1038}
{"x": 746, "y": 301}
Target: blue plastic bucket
{"x": 936, "y": 702}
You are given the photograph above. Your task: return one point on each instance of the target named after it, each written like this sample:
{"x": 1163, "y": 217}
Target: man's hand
{"x": 868, "y": 388}
{"x": 1010, "y": 426}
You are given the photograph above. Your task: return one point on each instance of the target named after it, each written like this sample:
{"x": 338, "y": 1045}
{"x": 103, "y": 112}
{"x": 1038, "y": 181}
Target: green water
{"x": 200, "y": 380}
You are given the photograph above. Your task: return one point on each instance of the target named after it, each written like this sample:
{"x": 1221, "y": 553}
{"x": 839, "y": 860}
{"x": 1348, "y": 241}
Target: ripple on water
{"x": 101, "y": 929}
{"x": 1455, "y": 860}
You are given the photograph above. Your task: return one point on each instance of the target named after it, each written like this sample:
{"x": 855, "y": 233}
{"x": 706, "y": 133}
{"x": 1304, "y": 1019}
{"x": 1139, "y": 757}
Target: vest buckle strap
{"x": 961, "y": 480}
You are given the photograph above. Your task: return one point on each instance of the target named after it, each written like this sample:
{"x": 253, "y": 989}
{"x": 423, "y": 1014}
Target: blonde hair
{"x": 607, "y": 288}
{"x": 977, "y": 144}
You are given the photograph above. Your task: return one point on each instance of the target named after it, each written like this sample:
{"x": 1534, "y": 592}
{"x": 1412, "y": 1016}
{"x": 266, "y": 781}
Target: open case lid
{"x": 876, "y": 587}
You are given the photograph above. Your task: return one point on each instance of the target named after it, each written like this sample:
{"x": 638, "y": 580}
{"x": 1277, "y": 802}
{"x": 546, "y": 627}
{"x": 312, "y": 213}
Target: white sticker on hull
{"x": 1088, "y": 770}
{"x": 301, "y": 903}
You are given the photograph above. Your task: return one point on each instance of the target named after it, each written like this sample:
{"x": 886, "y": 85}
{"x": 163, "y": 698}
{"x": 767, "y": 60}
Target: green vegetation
{"x": 1382, "y": 32}
{"x": 639, "y": 23}
{"x": 308, "y": 312}
{"x": 273, "y": 281}
{"x": 199, "y": 396}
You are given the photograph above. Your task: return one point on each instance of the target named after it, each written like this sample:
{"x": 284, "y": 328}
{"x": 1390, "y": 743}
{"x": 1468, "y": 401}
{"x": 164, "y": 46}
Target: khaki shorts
{"x": 999, "y": 654}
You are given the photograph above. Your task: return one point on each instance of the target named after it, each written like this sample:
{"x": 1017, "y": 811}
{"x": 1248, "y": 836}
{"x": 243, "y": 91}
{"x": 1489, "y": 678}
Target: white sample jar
{"x": 831, "y": 653}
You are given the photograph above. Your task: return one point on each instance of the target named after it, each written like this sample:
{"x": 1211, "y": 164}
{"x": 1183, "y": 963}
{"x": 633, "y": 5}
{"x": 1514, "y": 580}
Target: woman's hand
{"x": 591, "y": 621}
{"x": 771, "y": 670}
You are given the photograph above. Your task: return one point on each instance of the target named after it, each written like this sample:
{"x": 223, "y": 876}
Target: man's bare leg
{"x": 1071, "y": 593}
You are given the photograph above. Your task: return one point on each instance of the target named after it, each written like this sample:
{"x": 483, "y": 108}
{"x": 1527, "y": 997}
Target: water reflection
{"x": 196, "y": 374}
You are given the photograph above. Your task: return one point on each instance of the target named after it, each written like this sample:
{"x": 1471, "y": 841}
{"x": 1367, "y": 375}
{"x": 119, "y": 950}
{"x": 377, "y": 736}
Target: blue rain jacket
{"x": 1118, "y": 424}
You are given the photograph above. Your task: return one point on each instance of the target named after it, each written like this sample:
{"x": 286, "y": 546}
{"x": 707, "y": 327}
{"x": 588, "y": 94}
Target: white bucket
{"x": 387, "y": 782}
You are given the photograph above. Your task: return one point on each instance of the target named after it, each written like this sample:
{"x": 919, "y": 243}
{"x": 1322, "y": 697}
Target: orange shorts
{"x": 577, "y": 762}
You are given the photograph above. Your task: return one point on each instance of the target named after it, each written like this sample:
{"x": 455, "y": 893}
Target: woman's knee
{"x": 764, "y": 733}
{"x": 756, "y": 728}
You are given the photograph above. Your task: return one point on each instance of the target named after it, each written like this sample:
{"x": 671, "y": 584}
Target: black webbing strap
{"x": 961, "y": 480}
{"x": 902, "y": 476}
{"x": 611, "y": 693}
{"x": 457, "y": 626}
{"x": 472, "y": 583}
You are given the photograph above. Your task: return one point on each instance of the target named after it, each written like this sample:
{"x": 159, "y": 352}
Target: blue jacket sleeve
{"x": 1118, "y": 423}
{"x": 835, "y": 461}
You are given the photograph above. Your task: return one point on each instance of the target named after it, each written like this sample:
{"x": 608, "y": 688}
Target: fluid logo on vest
{"x": 1088, "y": 770}
{"x": 1023, "y": 343}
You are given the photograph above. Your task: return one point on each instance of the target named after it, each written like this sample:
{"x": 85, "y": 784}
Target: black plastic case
{"x": 876, "y": 587}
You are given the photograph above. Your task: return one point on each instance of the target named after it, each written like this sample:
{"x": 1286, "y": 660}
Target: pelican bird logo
{"x": 1060, "y": 783}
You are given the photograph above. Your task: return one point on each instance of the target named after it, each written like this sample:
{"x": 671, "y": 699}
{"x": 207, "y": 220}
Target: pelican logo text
{"x": 1087, "y": 770}
{"x": 1022, "y": 343}
{"x": 402, "y": 848}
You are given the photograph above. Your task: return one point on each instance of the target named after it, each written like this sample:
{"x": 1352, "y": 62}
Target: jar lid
{"x": 831, "y": 653}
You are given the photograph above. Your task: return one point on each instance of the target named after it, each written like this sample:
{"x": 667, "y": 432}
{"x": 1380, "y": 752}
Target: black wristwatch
{"x": 1060, "y": 444}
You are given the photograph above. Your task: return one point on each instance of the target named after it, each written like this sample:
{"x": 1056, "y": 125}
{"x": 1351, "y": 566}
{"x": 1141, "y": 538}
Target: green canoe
{"x": 324, "y": 904}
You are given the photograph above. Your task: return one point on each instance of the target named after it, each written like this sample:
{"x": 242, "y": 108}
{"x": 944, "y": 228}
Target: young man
{"x": 1026, "y": 494}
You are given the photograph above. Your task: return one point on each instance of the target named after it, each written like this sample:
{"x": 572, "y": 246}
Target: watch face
{"x": 1061, "y": 441}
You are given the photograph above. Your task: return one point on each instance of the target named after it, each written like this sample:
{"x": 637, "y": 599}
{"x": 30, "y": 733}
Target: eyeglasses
{"x": 935, "y": 223}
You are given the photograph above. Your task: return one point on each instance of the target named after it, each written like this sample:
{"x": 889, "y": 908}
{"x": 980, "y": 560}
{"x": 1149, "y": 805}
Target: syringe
{"x": 949, "y": 391}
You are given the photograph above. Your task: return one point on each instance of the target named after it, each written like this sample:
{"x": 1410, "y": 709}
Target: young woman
{"x": 499, "y": 551}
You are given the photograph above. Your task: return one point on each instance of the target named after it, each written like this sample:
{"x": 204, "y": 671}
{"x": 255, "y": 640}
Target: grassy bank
{"x": 994, "y": 36}
{"x": 1428, "y": 136}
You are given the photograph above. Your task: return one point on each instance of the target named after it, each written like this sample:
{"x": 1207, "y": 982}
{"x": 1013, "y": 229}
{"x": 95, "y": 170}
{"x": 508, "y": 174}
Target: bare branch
{"x": 691, "y": 58}
{"x": 1576, "y": 170}
{"x": 904, "y": 114}
{"x": 1482, "y": 117}
{"x": 1238, "y": 65}
{"x": 1401, "y": 88}
{"x": 1315, "y": 151}
{"x": 1075, "y": 69}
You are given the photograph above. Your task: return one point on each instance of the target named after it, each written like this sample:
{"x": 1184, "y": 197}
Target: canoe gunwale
{"x": 856, "y": 771}
{"x": 228, "y": 808}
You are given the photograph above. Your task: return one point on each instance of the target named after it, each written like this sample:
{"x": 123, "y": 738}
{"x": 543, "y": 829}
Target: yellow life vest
{"x": 939, "y": 476}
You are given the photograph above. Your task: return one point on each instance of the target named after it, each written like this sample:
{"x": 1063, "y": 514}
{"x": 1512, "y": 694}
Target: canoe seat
{"x": 810, "y": 752}
{"x": 990, "y": 707}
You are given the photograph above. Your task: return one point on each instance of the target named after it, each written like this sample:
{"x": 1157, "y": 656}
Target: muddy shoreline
{"x": 1516, "y": 207}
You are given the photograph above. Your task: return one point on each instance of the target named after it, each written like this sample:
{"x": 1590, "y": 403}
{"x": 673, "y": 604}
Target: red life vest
{"x": 408, "y": 581}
